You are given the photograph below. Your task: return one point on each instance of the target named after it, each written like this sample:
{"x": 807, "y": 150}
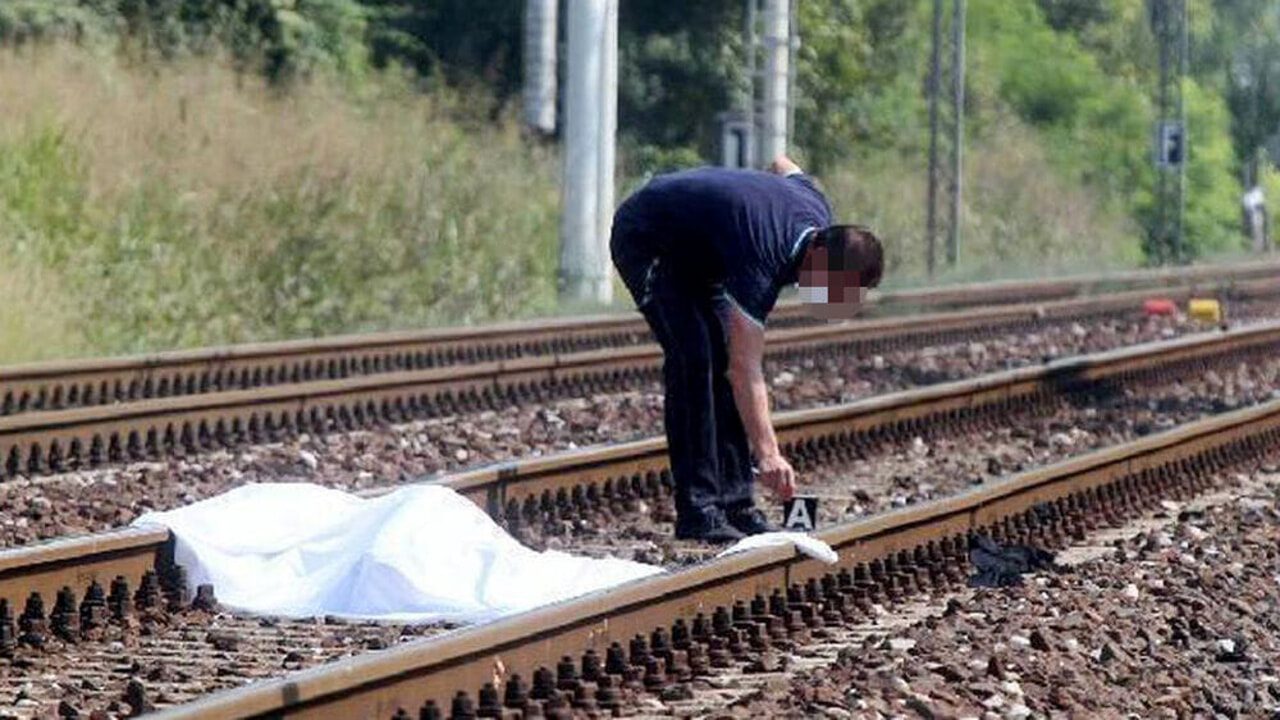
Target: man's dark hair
{"x": 854, "y": 248}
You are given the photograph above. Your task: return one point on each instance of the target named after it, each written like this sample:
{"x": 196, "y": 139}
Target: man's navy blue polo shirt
{"x": 738, "y": 233}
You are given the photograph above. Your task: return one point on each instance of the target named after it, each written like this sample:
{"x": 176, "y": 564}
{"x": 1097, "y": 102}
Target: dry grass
{"x": 1020, "y": 217}
{"x": 147, "y": 207}
{"x": 36, "y": 321}
{"x": 187, "y": 204}
{"x": 208, "y": 129}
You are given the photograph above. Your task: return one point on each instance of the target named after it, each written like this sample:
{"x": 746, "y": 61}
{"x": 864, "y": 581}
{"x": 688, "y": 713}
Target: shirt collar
{"x": 801, "y": 240}
{"x": 797, "y": 254}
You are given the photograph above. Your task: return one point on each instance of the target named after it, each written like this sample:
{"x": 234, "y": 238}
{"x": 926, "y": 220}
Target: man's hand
{"x": 777, "y": 475}
{"x": 783, "y": 165}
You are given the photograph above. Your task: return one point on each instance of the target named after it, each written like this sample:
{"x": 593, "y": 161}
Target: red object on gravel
{"x": 1159, "y": 306}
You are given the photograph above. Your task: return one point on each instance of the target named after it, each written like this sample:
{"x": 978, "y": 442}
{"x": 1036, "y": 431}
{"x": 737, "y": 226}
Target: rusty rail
{"x": 124, "y": 559}
{"x": 771, "y": 592}
{"x": 38, "y": 442}
{"x": 1205, "y": 276}
{"x": 77, "y": 383}
{"x": 46, "y": 568}
{"x": 511, "y": 490}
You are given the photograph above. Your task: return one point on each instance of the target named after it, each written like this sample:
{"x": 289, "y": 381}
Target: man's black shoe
{"x": 750, "y": 520}
{"x": 713, "y": 530}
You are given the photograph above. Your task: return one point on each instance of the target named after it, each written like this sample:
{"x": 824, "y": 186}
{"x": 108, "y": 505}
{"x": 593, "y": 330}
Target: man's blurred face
{"x": 830, "y": 294}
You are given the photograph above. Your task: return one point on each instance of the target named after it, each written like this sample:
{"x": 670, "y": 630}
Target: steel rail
{"x": 882, "y": 557}
{"x": 76, "y": 383}
{"x": 1060, "y": 288}
{"x": 44, "y": 569}
{"x": 37, "y": 442}
{"x": 510, "y": 491}
{"x": 808, "y": 436}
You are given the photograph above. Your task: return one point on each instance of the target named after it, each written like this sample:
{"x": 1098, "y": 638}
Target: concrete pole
{"x": 751, "y": 111}
{"x": 607, "y": 149}
{"x": 957, "y": 140}
{"x": 793, "y": 64}
{"x": 540, "y": 65}
{"x": 777, "y": 56}
{"x": 587, "y": 192}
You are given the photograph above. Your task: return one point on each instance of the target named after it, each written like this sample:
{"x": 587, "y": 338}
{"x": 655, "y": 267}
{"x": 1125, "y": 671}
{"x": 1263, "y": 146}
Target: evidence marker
{"x": 800, "y": 513}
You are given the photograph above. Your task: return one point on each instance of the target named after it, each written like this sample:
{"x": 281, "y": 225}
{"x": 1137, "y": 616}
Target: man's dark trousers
{"x": 710, "y": 459}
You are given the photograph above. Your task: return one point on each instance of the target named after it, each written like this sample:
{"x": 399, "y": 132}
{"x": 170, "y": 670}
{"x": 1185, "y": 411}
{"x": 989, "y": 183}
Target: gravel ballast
{"x": 1177, "y": 617}
{"x": 33, "y": 509}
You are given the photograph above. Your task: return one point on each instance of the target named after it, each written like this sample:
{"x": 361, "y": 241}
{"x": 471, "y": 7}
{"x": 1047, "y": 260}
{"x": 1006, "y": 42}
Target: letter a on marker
{"x": 798, "y": 515}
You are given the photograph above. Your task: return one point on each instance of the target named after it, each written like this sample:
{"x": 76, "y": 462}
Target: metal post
{"x": 1169, "y": 23}
{"x": 1160, "y": 22}
{"x": 584, "y": 256}
{"x": 540, "y": 65}
{"x": 777, "y": 51}
{"x": 957, "y": 144}
{"x": 1179, "y": 242}
{"x": 931, "y": 203}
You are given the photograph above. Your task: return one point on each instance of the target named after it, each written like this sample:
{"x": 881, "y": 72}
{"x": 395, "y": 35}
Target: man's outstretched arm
{"x": 751, "y": 396}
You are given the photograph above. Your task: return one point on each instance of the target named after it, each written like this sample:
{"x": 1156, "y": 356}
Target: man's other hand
{"x": 783, "y": 165}
{"x": 777, "y": 475}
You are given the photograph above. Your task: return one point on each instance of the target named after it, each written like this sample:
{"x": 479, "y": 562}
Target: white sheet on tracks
{"x": 422, "y": 553}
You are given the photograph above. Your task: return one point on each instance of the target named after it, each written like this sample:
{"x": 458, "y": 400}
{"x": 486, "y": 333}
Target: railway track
{"x": 93, "y": 500}
{"x": 532, "y": 491}
{"x": 33, "y": 443}
{"x": 86, "y": 383}
{"x": 601, "y": 651}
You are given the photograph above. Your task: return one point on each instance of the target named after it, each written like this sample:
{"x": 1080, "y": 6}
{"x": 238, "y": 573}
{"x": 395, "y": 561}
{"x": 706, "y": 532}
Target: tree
{"x": 462, "y": 41}
{"x": 1248, "y": 42}
{"x": 858, "y": 80}
{"x": 676, "y": 72}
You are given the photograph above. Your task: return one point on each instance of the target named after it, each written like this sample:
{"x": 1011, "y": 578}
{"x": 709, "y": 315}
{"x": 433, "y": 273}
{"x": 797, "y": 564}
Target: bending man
{"x": 704, "y": 253}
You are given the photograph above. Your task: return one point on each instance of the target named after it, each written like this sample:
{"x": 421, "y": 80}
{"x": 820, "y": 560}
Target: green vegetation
{"x": 183, "y": 172}
{"x": 1022, "y": 218}
{"x": 185, "y": 204}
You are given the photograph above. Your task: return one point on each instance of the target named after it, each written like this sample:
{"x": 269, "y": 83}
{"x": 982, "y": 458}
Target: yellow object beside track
{"x": 1205, "y": 310}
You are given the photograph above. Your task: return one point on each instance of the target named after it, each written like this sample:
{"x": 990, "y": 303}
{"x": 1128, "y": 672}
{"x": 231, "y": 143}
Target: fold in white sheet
{"x": 807, "y": 544}
{"x": 422, "y": 553}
